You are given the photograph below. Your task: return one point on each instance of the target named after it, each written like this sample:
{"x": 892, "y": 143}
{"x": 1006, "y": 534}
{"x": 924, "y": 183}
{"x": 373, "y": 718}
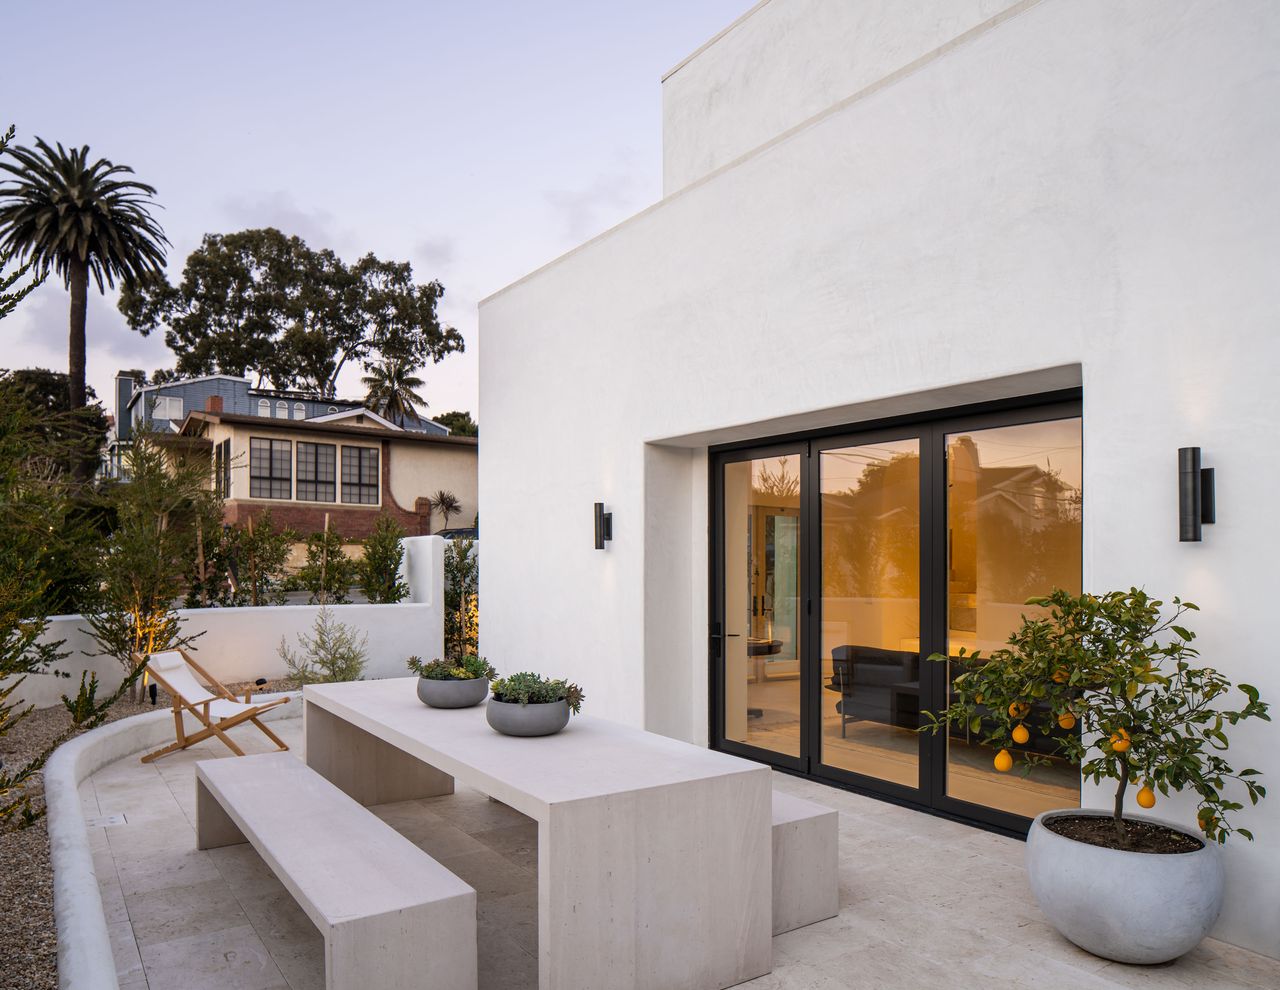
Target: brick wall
{"x": 352, "y": 522}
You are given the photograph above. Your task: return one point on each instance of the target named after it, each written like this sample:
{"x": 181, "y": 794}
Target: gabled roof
{"x": 195, "y": 420}
{"x": 342, "y": 414}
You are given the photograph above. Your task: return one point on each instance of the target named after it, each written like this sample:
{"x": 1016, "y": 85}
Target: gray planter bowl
{"x": 1132, "y": 907}
{"x": 452, "y": 694}
{"x": 527, "y": 720}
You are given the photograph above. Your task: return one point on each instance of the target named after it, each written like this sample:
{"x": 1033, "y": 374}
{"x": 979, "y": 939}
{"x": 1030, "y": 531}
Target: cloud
{"x": 318, "y": 227}
{"x": 586, "y": 212}
{"x": 435, "y": 253}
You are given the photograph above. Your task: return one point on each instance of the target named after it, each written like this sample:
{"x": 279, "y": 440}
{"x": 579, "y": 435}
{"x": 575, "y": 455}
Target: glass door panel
{"x": 761, "y": 568}
{"x": 1013, "y": 531}
{"x": 870, "y": 609}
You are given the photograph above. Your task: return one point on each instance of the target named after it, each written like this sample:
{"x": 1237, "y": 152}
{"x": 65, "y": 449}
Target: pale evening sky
{"x": 477, "y": 140}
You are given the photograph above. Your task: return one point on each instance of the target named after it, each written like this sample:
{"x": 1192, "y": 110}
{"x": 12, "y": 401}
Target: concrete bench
{"x": 391, "y": 916}
{"x": 806, "y": 885}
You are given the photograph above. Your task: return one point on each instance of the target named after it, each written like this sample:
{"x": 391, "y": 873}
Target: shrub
{"x": 461, "y": 599}
{"x": 463, "y": 669}
{"x": 1110, "y": 666}
{"x": 82, "y": 706}
{"x": 380, "y": 568}
{"x": 333, "y": 652}
{"x": 533, "y": 689}
{"x": 328, "y": 573}
{"x": 259, "y": 552}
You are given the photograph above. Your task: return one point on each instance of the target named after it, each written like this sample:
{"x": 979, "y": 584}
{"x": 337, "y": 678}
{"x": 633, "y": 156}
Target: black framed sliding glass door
{"x": 842, "y": 562}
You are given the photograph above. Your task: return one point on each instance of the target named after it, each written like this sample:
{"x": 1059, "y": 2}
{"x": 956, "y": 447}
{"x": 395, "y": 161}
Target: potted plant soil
{"x": 528, "y": 704}
{"x": 457, "y": 683}
{"x": 1122, "y": 885}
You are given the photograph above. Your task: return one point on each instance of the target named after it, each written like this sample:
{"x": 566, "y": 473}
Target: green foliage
{"x": 466, "y": 668}
{"x": 379, "y": 570}
{"x": 83, "y": 707}
{"x": 1124, "y": 673}
{"x": 533, "y": 689}
{"x": 244, "y": 565}
{"x": 460, "y": 423}
{"x": 328, "y": 573}
{"x": 461, "y": 599}
{"x": 144, "y": 562}
{"x": 81, "y": 432}
{"x": 259, "y": 302}
{"x": 333, "y": 653}
{"x": 10, "y": 296}
{"x": 36, "y": 499}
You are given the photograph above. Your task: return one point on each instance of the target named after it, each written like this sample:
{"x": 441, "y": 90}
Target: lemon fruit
{"x": 1146, "y": 798}
{"x": 1061, "y": 676}
{"x": 1019, "y": 709}
{"x": 1066, "y": 721}
{"x": 1003, "y": 761}
{"x": 1020, "y": 734}
{"x": 1120, "y": 741}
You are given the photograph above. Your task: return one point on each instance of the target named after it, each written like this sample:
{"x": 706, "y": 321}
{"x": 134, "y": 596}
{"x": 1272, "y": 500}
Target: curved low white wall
{"x": 85, "y": 961}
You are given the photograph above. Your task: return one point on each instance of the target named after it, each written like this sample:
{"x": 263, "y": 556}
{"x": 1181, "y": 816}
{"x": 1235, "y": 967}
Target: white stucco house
{"x": 936, "y": 292}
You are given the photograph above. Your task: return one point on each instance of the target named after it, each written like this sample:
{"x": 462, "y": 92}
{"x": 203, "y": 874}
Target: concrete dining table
{"x": 654, "y": 855}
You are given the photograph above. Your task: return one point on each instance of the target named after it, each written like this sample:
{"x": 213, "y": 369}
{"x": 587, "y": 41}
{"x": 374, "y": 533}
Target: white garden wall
{"x": 242, "y": 644}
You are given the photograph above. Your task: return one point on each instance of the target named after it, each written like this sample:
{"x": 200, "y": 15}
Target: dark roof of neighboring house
{"x": 305, "y": 426}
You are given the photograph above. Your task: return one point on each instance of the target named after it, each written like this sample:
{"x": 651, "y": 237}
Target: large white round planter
{"x": 1132, "y": 907}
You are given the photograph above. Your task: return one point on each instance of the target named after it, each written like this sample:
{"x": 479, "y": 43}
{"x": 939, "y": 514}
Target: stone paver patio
{"x": 924, "y": 902}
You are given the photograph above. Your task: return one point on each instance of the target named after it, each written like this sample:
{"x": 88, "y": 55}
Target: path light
{"x": 604, "y": 526}
{"x": 1196, "y": 502}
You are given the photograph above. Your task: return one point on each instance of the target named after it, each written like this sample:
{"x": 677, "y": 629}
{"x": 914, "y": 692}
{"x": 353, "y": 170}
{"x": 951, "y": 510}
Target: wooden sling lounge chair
{"x": 176, "y": 672}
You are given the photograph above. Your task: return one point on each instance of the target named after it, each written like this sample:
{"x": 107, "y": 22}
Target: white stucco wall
{"x": 786, "y": 60}
{"x": 1085, "y": 192}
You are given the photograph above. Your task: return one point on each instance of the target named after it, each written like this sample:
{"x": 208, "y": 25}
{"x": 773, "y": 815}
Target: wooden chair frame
{"x": 212, "y": 727}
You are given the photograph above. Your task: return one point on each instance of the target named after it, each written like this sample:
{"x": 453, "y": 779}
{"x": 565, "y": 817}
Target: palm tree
{"x": 392, "y": 390}
{"x": 446, "y": 503}
{"x": 76, "y": 218}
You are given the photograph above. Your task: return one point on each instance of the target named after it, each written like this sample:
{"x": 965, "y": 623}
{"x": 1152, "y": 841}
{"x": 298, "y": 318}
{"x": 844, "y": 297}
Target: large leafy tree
{"x": 12, "y": 291}
{"x": 260, "y": 303}
{"x": 392, "y": 390}
{"x": 77, "y": 218}
{"x": 460, "y": 423}
{"x": 79, "y": 433}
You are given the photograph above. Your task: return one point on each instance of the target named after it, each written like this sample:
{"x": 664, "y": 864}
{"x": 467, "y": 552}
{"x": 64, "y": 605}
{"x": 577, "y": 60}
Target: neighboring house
{"x": 306, "y": 458}
{"x": 975, "y": 275}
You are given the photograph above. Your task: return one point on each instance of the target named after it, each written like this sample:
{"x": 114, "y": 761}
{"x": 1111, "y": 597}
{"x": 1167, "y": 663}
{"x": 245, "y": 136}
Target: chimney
{"x": 124, "y": 392}
{"x": 213, "y": 404}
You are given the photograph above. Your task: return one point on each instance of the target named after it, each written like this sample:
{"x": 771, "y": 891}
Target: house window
{"x": 270, "y": 468}
{"x": 317, "y": 467}
{"x": 299, "y": 411}
{"x": 360, "y": 475}
{"x": 282, "y": 410}
{"x": 264, "y": 407}
{"x": 167, "y": 407}
{"x": 222, "y": 469}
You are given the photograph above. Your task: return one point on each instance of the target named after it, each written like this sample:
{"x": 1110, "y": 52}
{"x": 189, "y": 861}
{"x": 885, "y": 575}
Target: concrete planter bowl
{"x": 512, "y": 719}
{"x": 437, "y": 693}
{"x": 1132, "y": 907}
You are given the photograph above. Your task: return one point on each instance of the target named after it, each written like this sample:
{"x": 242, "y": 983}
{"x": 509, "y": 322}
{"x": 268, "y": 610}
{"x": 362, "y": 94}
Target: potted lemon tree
{"x": 1151, "y": 721}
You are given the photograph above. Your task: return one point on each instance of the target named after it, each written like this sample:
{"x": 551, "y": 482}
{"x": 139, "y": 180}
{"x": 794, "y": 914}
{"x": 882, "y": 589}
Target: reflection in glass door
{"x": 1013, "y": 532}
{"x": 761, "y": 567}
{"x": 843, "y": 562}
{"x": 870, "y": 609}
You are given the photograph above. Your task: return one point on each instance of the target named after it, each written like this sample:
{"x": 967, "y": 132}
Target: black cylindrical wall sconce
{"x": 604, "y": 526}
{"x": 1196, "y": 497}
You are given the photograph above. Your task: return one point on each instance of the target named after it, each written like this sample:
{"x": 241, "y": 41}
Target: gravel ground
{"x": 28, "y": 936}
